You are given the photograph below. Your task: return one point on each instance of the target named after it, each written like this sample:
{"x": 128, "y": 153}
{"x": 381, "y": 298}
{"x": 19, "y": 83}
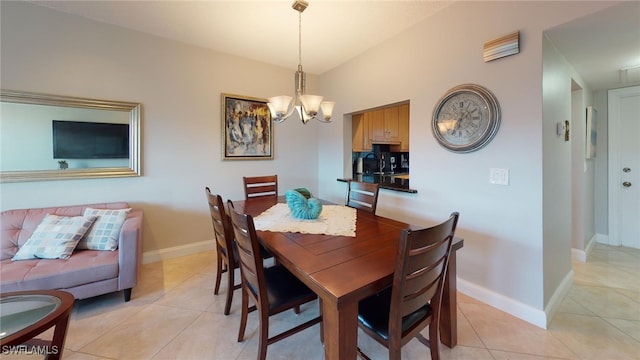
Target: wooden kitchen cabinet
{"x": 361, "y": 139}
{"x": 376, "y": 124}
{"x": 383, "y": 126}
{"x": 391, "y": 123}
{"x": 403, "y": 129}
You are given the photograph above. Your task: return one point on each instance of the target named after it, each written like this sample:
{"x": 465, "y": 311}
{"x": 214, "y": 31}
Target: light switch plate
{"x": 499, "y": 176}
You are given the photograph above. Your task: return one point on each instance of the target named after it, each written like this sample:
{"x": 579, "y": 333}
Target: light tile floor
{"x": 174, "y": 315}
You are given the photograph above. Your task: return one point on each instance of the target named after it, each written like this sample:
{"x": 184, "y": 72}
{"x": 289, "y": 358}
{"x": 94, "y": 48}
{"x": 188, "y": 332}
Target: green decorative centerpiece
{"x": 302, "y": 204}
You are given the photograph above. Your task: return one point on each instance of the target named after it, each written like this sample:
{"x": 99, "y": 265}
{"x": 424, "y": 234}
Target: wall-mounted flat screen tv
{"x": 90, "y": 140}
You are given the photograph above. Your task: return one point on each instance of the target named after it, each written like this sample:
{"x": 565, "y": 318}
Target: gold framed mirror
{"x": 33, "y": 147}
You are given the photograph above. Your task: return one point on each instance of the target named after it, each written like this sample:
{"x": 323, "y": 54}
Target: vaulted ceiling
{"x": 334, "y": 31}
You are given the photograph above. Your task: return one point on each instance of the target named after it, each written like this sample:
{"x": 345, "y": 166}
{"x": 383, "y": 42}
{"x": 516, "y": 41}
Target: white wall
{"x": 583, "y": 173}
{"x": 578, "y": 164}
{"x": 517, "y": 249}
{"x": 557, "y": 209}
{"x": 517, "y": 237}
{"x": 601, "y": 165}
{"x": 179, "y": 87}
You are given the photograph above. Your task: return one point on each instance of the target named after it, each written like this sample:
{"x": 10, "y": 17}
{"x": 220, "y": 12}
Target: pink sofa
{"x": 86, "y": 273}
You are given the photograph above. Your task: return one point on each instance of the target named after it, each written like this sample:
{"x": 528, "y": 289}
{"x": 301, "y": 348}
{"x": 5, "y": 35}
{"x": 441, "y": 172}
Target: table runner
{"x": 333, "y": 220}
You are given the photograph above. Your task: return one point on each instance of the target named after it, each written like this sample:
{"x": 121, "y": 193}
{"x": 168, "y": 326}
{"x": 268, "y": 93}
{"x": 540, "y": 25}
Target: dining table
{"x": 342, "y": 270}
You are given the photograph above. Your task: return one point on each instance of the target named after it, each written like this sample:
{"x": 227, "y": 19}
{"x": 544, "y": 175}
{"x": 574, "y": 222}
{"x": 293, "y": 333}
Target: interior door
{"x": 624, "y": 166}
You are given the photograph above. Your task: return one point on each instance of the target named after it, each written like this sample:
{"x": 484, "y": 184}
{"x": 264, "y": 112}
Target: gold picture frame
{"x": 247, "y": 130}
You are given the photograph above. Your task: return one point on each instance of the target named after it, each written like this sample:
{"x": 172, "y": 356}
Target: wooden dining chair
{"x": 398, "y": 314}
{"x": 362, "y": 195}
{"x": 272, "y": 290}
{"x": 226, "y": 250}
{"x": 258, "y": 186}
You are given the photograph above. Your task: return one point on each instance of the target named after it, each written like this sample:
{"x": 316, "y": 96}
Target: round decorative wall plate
{"x": 466, "y": 118}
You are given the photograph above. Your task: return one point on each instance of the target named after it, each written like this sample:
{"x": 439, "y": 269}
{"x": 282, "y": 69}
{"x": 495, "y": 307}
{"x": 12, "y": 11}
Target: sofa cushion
{"x": 16, "y": 226}
{"x": 105, "y": 232}
{"x": 85, "y": 266}
{"x": 55, "y": 237}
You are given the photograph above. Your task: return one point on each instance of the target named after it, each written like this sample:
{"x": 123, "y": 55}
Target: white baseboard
{"x": 603, "y": 238}
{"x": 579, "y": 255}
{"x": 591, "y": 244}
{"x": 525, "y": 312}
{"x": 582, "y": 255}
{"x": 558, "y": 296}
{"x": 177, "y": 251}
{"x": 522, "y": 311}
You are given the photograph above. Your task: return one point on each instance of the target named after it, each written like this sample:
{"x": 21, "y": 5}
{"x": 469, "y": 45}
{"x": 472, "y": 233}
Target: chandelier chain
{"x": 299, "y": 38}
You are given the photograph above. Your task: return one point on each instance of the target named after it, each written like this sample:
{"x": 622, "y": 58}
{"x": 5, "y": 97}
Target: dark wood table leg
{"x": 59, "y": 336}
{"x": 340, "y": 330}
{"x": 449, "y": 311}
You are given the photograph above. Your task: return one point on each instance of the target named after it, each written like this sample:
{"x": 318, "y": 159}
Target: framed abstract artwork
{"x": 247, "y": 132}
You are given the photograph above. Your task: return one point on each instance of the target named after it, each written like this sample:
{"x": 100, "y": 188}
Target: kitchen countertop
{"x": 397, "y": 182}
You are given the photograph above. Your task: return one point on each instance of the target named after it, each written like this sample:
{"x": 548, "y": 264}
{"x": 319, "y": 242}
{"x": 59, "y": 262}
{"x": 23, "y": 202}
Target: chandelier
{"x": 307, "y": 106}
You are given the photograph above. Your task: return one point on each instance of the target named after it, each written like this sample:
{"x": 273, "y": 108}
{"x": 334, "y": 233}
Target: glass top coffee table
{"x": 26, "y": 314}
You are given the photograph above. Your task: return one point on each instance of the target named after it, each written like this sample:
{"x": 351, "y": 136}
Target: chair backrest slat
{"x": 221, "y": 224}
{"x": 258, "y": 186}
{"x": 251, "y": 267}
{"x": 362, "y": 195}
{"x": 421, "y": 265}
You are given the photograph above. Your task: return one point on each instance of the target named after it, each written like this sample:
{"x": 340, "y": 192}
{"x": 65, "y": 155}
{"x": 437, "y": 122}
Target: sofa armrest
{"x": 130, "y": 250}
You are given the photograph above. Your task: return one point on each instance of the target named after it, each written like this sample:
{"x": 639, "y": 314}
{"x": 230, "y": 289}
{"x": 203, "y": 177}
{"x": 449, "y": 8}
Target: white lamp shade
{"x": 279, "y": 105}
{"x": 311, "y": 103}
{"x": 272, "y": 110}
{"x": 327, "y": 108}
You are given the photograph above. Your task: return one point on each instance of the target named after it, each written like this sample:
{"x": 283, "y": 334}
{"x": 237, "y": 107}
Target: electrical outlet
{"x": 499, "y": 176}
